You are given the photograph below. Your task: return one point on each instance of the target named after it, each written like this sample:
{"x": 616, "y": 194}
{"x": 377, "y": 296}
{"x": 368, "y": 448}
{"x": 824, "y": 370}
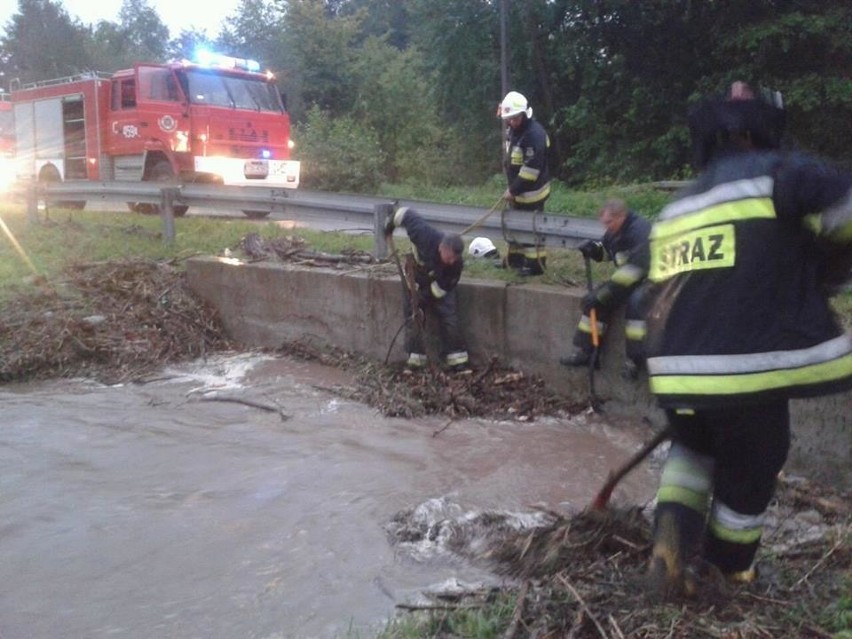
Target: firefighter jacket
{"x": 739, "y": 310}
{"x": 434, "y": 278}
{"x": 628, "y": 250}
{"x": 527, "y": 169}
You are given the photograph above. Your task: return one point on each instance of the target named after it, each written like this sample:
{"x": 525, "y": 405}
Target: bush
{"x": 338, "y": 154}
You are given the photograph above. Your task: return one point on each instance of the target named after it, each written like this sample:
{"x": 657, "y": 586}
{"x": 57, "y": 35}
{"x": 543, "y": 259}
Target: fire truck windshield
{"x": 235, "y": 92}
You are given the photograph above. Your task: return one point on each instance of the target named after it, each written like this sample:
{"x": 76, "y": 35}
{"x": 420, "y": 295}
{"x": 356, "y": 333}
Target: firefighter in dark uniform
{"x": 742, "y": 264}
{"x": 435, "y": 266}
{"x": 528, "y": 175}
{"x": 625, "y": 243}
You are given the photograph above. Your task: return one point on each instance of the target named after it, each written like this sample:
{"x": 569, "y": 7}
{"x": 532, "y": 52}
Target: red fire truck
{"x": 221, "y": 122}
{"x": 7, "y": 142}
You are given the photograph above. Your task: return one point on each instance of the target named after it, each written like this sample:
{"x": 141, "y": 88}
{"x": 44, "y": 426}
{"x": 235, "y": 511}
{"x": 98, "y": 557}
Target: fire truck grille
{"x": 248, "y": 135}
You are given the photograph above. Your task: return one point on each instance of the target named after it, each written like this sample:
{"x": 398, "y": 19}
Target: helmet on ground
{"x": 480, "y": 247}
{"x": 514, "y": 104}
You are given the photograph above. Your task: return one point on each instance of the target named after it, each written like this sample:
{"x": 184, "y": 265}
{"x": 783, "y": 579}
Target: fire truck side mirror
{"x": 284, "y": 100}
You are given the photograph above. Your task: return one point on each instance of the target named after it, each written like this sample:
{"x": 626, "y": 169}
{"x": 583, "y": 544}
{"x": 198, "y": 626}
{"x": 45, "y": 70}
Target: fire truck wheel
{"x": 256, "y": 215}
{"x": 160, "y": 172}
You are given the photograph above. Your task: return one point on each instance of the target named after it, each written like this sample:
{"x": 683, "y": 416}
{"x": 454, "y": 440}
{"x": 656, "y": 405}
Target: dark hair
{"x": 454, "y": 242}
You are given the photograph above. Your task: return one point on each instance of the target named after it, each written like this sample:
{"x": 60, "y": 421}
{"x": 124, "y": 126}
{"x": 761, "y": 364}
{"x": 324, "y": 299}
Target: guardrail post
{"x": 380, "y": 216}
{"x": 167, "y": 211}
{"x": 32, "y": 202}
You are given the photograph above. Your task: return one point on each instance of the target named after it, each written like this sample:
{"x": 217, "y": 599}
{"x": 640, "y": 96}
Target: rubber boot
{"x": 677, "y": 534}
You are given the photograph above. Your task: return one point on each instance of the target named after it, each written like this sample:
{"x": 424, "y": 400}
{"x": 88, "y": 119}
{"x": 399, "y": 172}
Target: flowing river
{"x": 164, "y": 509}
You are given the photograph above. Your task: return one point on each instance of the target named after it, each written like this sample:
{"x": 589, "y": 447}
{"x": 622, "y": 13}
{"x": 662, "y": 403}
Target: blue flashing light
{"x": 207, "y": 58}
{"x": 266, "y": 154}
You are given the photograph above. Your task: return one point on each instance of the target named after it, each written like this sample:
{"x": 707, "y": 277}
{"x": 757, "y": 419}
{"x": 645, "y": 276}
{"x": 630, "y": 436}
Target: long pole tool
{"x": 594, "y": 402}
{"x": 602, "y": 498}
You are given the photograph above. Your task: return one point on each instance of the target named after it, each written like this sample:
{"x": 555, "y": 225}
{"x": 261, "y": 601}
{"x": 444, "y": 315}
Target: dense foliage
{"x": 383, "y": 90}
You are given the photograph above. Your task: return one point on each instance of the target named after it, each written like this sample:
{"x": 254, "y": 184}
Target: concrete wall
{"x": 528, "y": 326}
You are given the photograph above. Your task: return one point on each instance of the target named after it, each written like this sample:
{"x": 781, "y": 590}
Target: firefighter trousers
{"x": 522, "y": 255}
{"x": 721, "y": 471}
{"x": 445, "y": 310}
{"x": 634, "y": 326}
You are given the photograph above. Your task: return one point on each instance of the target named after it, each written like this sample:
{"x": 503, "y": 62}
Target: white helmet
{"x": 514, "y": 104}
{"x": 480, "y": 246}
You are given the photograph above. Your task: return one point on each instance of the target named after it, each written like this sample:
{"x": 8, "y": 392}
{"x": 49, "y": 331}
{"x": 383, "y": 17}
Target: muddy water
{"x": 156, "y": 511}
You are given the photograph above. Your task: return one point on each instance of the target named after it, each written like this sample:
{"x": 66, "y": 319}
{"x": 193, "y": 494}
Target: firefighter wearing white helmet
{"x": 527, "y": 174}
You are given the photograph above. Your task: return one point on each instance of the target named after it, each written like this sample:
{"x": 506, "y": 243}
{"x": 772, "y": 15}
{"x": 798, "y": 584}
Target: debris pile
{"x": 112, "y": 321}
{"x": 296, "y": 250}
{"x": 583, "y": 576}
{"x": 493, "y": 391}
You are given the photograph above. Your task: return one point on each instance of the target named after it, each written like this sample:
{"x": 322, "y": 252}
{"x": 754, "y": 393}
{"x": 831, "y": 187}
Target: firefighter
{"x": 625, "y": 243}
{"x": 435, "y": 266}
{"x": 528, "y": 176}
{"x": 742, "y": 264}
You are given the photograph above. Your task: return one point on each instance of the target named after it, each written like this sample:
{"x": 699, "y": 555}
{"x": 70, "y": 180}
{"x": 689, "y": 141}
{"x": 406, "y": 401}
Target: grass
{"x": 69, "y": 237}
{"x": 643, "y": 198}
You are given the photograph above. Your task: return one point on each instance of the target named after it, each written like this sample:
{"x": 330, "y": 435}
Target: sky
{"x": 175, "y": 14}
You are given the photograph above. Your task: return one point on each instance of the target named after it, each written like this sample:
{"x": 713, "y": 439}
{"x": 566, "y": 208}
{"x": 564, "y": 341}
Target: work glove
{"x": 590, "y": 301}
{"x": 592, "y": 250}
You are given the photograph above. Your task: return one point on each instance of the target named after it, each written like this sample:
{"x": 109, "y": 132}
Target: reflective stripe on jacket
{"x": 739, "y": 311}
{"x": 527, "y": 168}
{"x": 434, "y": 278}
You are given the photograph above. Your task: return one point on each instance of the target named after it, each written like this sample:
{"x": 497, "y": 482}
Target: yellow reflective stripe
{"x": 585, "y": 325}
{"x": 528, "y": 173}
{"x": 747, "y": 188}
{"x": 734, "y": 384}
{"x": 831, "y": 349}
{"x": 635, "y": 330}
{"x": 532, "y": 252}
{"x": 516, "y": 156}
{"x": 738, "y": 528}
{"x": 437, "y": 291}
{"x": 684, "y": 496}
{"x": 736, "y": 536}
{"x": 757, "y": 208}
{"x": 687, "y": 471}
{"x": 530, "y": 197}
{"x": 710, "y": 247}
{"x": 456, "y": 358}
{"x": 627, "y": 275}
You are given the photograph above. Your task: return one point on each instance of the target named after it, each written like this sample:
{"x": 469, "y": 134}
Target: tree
{"x": 41, "y": 42}
{"x": 147, "y": 36}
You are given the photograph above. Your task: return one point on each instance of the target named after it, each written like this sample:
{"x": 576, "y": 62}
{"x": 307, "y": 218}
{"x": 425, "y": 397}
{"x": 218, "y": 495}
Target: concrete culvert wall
{"x": 527, "y": 326}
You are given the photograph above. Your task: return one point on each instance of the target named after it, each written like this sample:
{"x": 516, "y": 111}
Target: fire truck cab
{"x": 221, "y": 122}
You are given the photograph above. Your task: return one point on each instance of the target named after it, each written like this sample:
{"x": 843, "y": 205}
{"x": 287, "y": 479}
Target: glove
{"x": 590, "y": 301}
{"x": 592, "y": 250}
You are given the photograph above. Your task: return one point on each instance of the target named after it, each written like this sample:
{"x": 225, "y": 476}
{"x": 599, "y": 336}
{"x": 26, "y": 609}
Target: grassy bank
{"x": 643, "y": 198}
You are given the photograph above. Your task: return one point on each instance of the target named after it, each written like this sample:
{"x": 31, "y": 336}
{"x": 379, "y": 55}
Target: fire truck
{"x": 7, "y": 142}
{"x": 219, "y": 121}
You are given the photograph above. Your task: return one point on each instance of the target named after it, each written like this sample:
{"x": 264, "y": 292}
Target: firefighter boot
{"x": 677, "y": 531}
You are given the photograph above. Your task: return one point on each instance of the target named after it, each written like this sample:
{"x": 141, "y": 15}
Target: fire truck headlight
{"x": 291, "y": 145}
{"x": 7, "y": 173}
{"x": 265, "y": 154}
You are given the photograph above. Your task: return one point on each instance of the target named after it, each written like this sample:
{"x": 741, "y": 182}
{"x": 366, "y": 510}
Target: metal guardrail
{"x": 541, "y": 228}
